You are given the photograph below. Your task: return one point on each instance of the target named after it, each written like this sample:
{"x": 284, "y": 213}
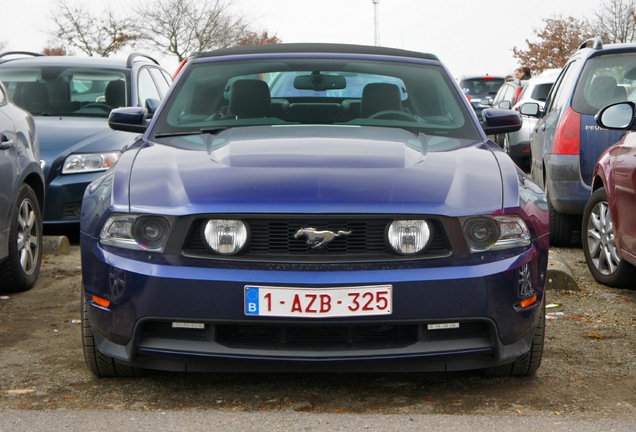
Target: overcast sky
{"x": 469, "y": 36}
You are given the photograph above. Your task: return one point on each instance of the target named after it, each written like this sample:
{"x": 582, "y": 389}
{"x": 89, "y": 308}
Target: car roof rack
{"x": 595, "y": 43}
{"x": 134, "y": 56}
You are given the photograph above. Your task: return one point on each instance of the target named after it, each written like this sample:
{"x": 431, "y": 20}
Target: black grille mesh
{"x": 272, "y": 239}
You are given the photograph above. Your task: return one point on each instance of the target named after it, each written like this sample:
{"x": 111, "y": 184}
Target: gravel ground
{"x": 588, "y": 369}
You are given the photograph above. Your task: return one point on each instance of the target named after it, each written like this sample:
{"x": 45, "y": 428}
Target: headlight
{"x": 89, "y": 162}
{"x": 225, "y": 236}
{"x": 495, "y": 232}
{"x": 139, "y": 232}
{"x": 409, "y": 237}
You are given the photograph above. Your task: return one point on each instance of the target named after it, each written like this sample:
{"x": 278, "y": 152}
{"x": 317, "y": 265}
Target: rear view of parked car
{"x": 480, "y": 87}
{"x": 609, "y": 219}
{"x": 514, "y": 94}
{"x": 566, "y": 141}
{"x": 318, "y": 208}
{"x": 70, "y": 99}
{"x": 21, "y": 198}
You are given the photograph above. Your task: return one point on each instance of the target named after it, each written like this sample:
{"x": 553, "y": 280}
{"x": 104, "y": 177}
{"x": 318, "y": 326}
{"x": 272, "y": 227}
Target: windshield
{"x": 215, "y": 94}
{"x": 55, "y": 90}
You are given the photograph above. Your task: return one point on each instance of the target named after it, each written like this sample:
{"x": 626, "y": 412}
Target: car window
{"x": 560, "y": 93}
{"x": 61, "y": 91}
{"x": 540, "y": 91}
{"x": 604, "y": 80}
{"x": 316, "y": 91}
{"x": 147, "y": 88}
{"x": 162, "y": 80}
{"x": 282, "y": 85}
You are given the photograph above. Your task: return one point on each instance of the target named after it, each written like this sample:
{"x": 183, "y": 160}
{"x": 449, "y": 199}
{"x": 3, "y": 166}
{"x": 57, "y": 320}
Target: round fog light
{"x": 225, "y": 236}
{"x": 409, "y": 237}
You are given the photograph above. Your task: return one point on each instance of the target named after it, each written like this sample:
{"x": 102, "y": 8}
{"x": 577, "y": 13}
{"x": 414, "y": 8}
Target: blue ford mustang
{"x": 314, "y": 207}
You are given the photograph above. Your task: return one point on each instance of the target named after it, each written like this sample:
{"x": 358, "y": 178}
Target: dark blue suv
{"x": 567, "y": 142}
{"x": 70, "y": 99}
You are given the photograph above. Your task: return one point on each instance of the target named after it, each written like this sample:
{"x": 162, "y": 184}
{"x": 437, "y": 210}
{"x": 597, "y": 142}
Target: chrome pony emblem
{"x": 318, "y": 239}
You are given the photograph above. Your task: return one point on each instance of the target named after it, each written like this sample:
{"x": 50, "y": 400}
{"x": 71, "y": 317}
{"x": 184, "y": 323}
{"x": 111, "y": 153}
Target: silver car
{"x": 513, "y": 95}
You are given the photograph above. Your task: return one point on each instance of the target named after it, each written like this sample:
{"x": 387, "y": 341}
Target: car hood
{"x": 308, "y": 169}
{"x": 61, "y": 136}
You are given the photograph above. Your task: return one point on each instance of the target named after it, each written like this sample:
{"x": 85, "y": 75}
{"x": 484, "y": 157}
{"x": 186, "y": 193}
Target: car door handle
{"x": 5, "y": 143}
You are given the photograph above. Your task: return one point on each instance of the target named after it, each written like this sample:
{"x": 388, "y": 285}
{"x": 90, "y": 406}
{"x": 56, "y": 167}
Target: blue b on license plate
{"x": 317, "y": 303}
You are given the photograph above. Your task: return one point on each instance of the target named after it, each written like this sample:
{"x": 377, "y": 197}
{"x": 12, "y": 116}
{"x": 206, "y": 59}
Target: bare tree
{"x": 614, "y": 21}
{"x": 180, "y": 27}
{"x": 77, "y": 27}
{"x": 557, "y": 41}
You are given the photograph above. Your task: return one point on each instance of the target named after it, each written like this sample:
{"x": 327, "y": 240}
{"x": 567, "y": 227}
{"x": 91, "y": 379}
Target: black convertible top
{"x": 316, "y": 48}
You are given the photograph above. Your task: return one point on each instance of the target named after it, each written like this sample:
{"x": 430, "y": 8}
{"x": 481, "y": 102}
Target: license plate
{"x": 318, "y": 303}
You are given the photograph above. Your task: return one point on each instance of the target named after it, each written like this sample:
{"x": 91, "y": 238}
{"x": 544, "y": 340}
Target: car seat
{"x": 115, "y": 94}
{"x": 34, "y": 98}
{"x": 605, "y": 90}
{"x": 250, "y": 98}
{"x": 378, "y": 97}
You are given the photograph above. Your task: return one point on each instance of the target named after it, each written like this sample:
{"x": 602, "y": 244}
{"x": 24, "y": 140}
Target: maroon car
{"x": 609, "y": 219}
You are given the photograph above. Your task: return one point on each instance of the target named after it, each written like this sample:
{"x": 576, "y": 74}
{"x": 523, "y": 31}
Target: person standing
{"x": 523, "y": 74}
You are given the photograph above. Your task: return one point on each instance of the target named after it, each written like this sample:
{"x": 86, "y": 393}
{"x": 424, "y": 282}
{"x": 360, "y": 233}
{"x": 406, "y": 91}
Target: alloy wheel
{"x": 28, "y": 237}
{"x": 601, "y": 240}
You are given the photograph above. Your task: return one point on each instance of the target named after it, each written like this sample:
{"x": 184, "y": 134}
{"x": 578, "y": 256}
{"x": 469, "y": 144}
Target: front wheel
{"x": 101, "y": 365}
{"x": 599, "y": 244}
{"x": 21, "y": 269}
{"x": 528, "y": 363}
{"x": 561, "y": 225}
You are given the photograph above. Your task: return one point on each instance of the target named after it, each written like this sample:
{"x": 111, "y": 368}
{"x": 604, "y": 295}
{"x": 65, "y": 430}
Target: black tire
{"x": 98, "y": 363}
{"x": 599, "y": 244}
{"x": 561, "y": 226}
{"x": 527, "y": 364}
{"x": 20, "y": 270}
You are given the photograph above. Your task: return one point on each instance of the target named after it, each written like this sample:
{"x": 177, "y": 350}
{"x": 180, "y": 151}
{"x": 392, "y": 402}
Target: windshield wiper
{"x": 208, "y": 130}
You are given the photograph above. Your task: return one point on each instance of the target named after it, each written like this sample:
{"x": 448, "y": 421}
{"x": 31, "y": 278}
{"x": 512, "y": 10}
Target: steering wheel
{"x": 98, "y": 105}
{"x": 393, "y": 115}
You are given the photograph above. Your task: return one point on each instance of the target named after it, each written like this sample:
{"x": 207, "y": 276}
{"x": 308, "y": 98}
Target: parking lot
{"x": 588, "y": 369}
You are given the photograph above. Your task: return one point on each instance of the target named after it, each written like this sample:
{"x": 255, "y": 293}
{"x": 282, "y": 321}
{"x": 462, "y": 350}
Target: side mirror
{"x": 505, "y": 104}
{"x": 129, "y": 119}
{"x": 500, "y": 121}
{"x": 152, "y": 105}
{"x": 486, "y": 101}
{"x": 531, "y": 109}
{"x": 616, "y": 116}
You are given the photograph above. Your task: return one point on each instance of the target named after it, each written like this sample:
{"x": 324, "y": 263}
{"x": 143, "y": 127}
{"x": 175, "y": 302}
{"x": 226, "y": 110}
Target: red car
{"x": 609, "y": 219}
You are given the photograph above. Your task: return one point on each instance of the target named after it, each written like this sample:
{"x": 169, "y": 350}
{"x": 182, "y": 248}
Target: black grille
{"x": 273, "y": 240}
{"x": 318, "y": 336}
{"x": 308, "y": 337}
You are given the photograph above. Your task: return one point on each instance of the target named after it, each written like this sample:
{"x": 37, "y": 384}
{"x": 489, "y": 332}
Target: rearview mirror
{"x": 319, "y": 82}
